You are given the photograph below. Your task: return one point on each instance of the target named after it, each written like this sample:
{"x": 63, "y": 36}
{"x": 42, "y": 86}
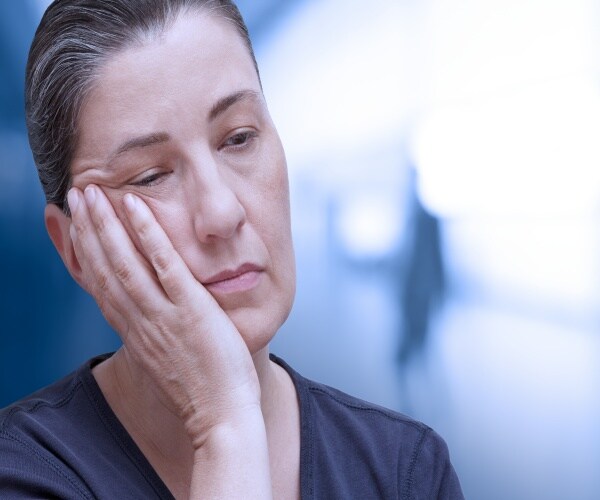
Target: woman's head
{"x": 174, "y": 112}
{"x": 73, "y": 41}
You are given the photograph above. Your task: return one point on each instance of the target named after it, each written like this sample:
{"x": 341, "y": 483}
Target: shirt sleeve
{"x": 26, "y": 474}
{"x": 432, "y": 475}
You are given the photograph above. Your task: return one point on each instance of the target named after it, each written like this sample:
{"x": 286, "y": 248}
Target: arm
{"x": 177, "y": 333}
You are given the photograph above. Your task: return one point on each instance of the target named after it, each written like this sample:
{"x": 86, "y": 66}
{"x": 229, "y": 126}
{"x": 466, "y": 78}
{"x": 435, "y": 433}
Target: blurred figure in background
{"x": 422, "y": 284}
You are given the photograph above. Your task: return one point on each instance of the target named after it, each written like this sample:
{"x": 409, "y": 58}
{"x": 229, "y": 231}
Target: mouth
{"x": 242, "y": 279}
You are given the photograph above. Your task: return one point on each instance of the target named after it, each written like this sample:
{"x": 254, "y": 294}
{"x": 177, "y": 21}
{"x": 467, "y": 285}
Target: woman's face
{"x": 181, "y": 122}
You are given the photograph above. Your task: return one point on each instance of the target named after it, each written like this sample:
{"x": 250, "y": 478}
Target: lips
{"x": 241, "y": 279}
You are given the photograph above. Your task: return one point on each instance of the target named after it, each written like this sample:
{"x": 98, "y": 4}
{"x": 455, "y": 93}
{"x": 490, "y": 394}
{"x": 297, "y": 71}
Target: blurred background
{"x": 444, "y": 163}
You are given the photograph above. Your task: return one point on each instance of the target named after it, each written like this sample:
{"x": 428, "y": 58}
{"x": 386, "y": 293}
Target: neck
{"x": 159, "y": 433}
{"x": 161, "y": 437}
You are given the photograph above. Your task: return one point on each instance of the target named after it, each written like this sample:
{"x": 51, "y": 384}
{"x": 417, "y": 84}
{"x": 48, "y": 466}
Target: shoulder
{"x": 49, "y": 409}
{"x": 372, "y": 449}
{"x": 33, "y": 436}
{"x": 346, "y": 414}
{"x": 64, "y": 441}
{"x": 29, "y": 419}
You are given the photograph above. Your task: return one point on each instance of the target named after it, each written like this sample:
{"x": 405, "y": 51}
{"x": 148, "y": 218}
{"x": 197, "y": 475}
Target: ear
{"x": 58, "y": 226}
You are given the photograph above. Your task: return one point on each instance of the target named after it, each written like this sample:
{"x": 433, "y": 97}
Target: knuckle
{"x": 82, "y": 227}
{"x": 161, "y": 263}
{"x": 105, "y": 308}
{"x": 151, "y": 242}
{"x": 143, "y": 228}
{"x": 123, "y": 272}
{"x": 102, "y": 282}
{"x": 102, "y": 225}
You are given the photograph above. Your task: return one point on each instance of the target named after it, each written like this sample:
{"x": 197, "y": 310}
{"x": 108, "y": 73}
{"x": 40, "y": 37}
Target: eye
{"x": 240, "y": 140}
{"x": 149, "y": 180}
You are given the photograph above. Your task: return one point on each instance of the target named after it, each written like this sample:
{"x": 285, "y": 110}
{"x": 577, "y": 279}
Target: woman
{"x": 168, "y": 202}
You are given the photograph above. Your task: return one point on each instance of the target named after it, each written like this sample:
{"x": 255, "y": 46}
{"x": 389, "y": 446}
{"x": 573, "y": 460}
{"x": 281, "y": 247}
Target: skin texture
{"x": 179, "y": 176}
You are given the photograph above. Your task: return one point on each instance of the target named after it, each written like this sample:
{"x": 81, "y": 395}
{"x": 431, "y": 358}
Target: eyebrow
{"x": 141, "y": 142}
{"x": 225, "y": 103}
{"x": 218, "y": 108}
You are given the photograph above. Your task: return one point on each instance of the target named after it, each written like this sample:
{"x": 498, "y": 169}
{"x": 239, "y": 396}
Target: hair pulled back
{"x": 73, "y": 40}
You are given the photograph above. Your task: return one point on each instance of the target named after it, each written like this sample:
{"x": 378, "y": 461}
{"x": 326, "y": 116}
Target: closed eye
{"x": 149, "y": 180}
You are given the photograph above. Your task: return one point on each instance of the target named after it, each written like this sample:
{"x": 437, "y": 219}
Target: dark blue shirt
{"x": 65, "y": 442}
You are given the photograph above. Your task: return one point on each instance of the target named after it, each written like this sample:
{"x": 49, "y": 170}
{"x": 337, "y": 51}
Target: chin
{"x": 258, "y": 326}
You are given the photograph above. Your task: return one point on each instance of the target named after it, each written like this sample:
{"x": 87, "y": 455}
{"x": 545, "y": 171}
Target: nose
{"x": 219, "y": 212}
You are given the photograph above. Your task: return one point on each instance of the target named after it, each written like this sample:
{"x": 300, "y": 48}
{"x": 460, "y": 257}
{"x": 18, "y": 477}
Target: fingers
{"x": 130, "y": 268}
{"x": 114, "y": 317}
{"x": 97, "y": 278}
{"x": 119, "y": 270}
{"x": 175, "y": 277}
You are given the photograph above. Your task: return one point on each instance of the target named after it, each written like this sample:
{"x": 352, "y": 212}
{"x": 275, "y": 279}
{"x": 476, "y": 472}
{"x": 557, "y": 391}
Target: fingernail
{"x": 73, "y": 233}
{"x": 129, "y": 201}
{"x": 73, "y": 199}
{"x": 90, "y": 195}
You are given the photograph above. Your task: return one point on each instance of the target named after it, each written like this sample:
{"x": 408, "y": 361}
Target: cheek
{"x": 177, "y": 224}
{"x": 267, "y": 207}
{"x": 276, "y": 227}
{"x": 170, "y": 218}
{"x": 274, "y": 191}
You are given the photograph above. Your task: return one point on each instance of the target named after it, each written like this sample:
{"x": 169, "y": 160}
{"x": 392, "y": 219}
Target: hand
{"x": 169, "y": 323}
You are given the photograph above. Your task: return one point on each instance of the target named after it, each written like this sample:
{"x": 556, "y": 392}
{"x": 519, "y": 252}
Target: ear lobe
{"x": 58, "y": 226}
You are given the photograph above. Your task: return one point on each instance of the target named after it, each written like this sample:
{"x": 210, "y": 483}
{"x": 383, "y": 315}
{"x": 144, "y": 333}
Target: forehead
{"x": 169, "y": 79}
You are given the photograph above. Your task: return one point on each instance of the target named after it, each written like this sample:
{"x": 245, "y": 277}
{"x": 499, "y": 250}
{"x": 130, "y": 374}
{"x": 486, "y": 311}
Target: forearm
{"x": 233, "y": 461}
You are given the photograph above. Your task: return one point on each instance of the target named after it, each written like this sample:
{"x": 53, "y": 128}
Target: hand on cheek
{"x": 96, "y": 275}
{"x": 170, "y": 325}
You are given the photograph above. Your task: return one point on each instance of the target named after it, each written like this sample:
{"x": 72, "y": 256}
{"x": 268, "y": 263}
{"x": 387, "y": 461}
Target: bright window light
{"x": 369, "y": 224}
{"x": 514, "y": 109}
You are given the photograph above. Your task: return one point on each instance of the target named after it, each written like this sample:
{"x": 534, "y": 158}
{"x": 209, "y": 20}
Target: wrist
{"x": 225, "y": 430}
{"x": 232, "y": 460}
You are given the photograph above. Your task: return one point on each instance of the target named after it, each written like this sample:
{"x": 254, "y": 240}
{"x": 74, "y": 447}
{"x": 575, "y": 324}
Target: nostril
{"x": 219, "y": 217}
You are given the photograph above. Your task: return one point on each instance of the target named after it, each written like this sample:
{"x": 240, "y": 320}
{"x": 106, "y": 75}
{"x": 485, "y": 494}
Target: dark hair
{"x": 73, "y": 40}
